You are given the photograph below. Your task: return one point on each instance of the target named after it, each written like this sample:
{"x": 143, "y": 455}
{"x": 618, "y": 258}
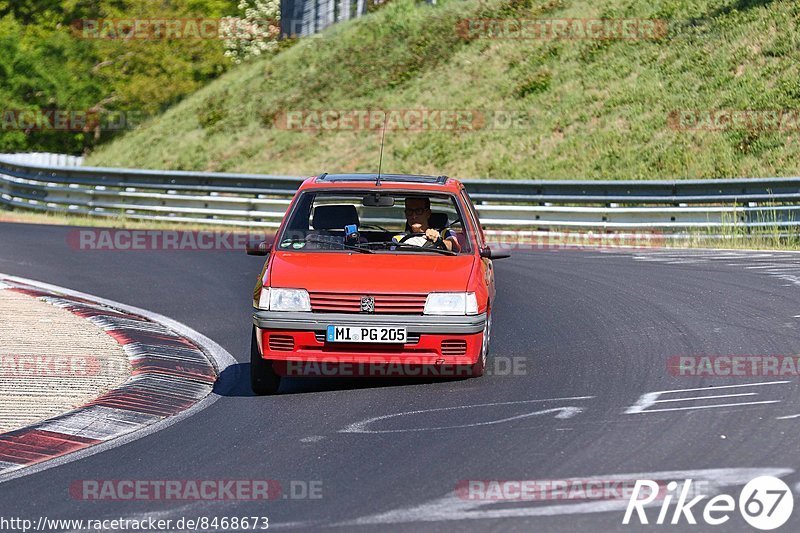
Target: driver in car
{"x": 418, "y": 213}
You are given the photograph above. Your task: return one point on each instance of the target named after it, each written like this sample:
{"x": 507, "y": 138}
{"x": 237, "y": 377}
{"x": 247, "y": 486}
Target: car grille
{"x": 411, "y": 338}
{"x": 281, "y": 343}
{"x": 340, "y": 302}
{"x": 454, "y": 347}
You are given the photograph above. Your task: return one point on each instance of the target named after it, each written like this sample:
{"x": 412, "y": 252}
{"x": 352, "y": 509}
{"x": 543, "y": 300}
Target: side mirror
{"x": 258, "y": 248}
{"x": 489, "y": 254}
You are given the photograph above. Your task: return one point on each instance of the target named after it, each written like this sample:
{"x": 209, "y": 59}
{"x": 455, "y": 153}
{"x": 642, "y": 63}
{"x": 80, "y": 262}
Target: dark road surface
{"x": 590, "y": 333}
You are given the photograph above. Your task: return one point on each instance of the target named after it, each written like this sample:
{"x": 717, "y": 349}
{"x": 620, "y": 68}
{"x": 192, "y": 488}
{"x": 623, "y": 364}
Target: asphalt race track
{"x": 592, "y": 332}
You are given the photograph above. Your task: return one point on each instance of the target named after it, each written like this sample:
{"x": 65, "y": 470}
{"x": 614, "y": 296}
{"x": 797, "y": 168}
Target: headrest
{"x": 334, "y": 216}
{"x": 438, "y": 220}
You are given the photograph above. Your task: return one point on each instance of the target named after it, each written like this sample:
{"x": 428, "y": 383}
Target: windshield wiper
{"x": 323, "y": 241}
{"x": 407, "y": 246}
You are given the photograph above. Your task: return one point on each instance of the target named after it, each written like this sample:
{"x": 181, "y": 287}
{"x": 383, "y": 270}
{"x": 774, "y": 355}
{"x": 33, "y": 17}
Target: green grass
{"x": 735, "y": 241}
{"x": 733, "y": 234}
{"x": 596, "y": 109}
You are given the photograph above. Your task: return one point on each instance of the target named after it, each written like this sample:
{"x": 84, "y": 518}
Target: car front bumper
{"x": 445, "y": 325}
{"x": 299, "y": 337}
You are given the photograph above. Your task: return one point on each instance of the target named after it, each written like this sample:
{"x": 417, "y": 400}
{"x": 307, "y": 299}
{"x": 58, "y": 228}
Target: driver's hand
{"x": 431, "y": 234}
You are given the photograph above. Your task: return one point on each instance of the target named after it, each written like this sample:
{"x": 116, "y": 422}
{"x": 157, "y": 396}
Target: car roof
{"x": 394, "y": 181}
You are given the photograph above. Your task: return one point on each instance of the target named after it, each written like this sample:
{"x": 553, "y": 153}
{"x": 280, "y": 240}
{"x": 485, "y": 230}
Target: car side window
{"x": 474, "y": 218}
{"x": 299, "y": 222}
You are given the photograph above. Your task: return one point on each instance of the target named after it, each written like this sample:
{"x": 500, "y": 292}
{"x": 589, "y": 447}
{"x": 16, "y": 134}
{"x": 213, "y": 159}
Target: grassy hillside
{"x": 595, "y": 109}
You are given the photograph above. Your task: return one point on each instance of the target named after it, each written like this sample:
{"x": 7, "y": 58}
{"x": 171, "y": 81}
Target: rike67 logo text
{"x": 765, "y": 503}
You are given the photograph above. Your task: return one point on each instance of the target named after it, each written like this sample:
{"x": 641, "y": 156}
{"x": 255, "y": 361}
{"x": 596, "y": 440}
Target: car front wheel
{"x": 263, "y": 378}
{"x": 479, "y": 367}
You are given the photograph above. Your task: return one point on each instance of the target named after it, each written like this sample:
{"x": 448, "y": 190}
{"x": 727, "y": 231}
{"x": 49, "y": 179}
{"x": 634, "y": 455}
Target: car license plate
{"x": 365, "y": 334}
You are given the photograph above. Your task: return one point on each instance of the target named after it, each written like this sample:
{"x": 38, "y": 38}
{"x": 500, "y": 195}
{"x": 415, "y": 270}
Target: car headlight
{"x": 263, "y": 300}
{"x": 288, "y": 300}
{"x": 451, "y": 303}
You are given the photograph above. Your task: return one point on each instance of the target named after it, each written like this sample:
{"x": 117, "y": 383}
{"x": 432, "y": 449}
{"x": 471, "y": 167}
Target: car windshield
{"x": 384, "y": 222}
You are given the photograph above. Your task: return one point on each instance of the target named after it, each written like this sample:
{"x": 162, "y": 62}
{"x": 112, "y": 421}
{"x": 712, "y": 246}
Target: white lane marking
{"x": 180, "y": 511}
{"x": 778, "y": 264}
{"x": 715, "y": 387}
{"x": 708, "y": 397}
{"x": 787, "y": 417}
{"x": 750, "y": 256}
{"x": 709, "y": 406}
{"x": 218, "y": 355}
{"x": 454, "y": 507}
{"x": 649, "y": 259}
{"x": 649, "y": 399}
{"x": 313, "y": 438}
{"x": 562, "y": 413}
{"x": 744, "y": 251}
{"x": 201, "y": 508}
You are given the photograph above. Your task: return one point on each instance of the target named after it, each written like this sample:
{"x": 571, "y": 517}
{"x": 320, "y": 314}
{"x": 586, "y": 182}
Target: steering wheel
{"x": 428, "y": 244}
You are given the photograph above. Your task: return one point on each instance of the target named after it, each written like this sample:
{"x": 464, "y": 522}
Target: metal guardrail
{"x": 45, "y": 158}
{"x": 256, "y": 200}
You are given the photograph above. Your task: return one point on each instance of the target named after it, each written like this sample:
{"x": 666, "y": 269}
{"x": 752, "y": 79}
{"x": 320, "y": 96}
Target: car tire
{"x": 263, "y": 378}
{"x": 479, "y": 367}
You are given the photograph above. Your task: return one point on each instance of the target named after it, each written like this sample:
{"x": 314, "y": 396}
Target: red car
{"x": 369, "y": 275}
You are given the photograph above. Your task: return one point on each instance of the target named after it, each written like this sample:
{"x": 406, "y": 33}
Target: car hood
{"x": 344, "y": 272}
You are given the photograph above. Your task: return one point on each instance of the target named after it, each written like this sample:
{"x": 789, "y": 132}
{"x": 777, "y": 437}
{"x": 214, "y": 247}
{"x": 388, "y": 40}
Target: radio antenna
{"x": 380, "y": 160}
